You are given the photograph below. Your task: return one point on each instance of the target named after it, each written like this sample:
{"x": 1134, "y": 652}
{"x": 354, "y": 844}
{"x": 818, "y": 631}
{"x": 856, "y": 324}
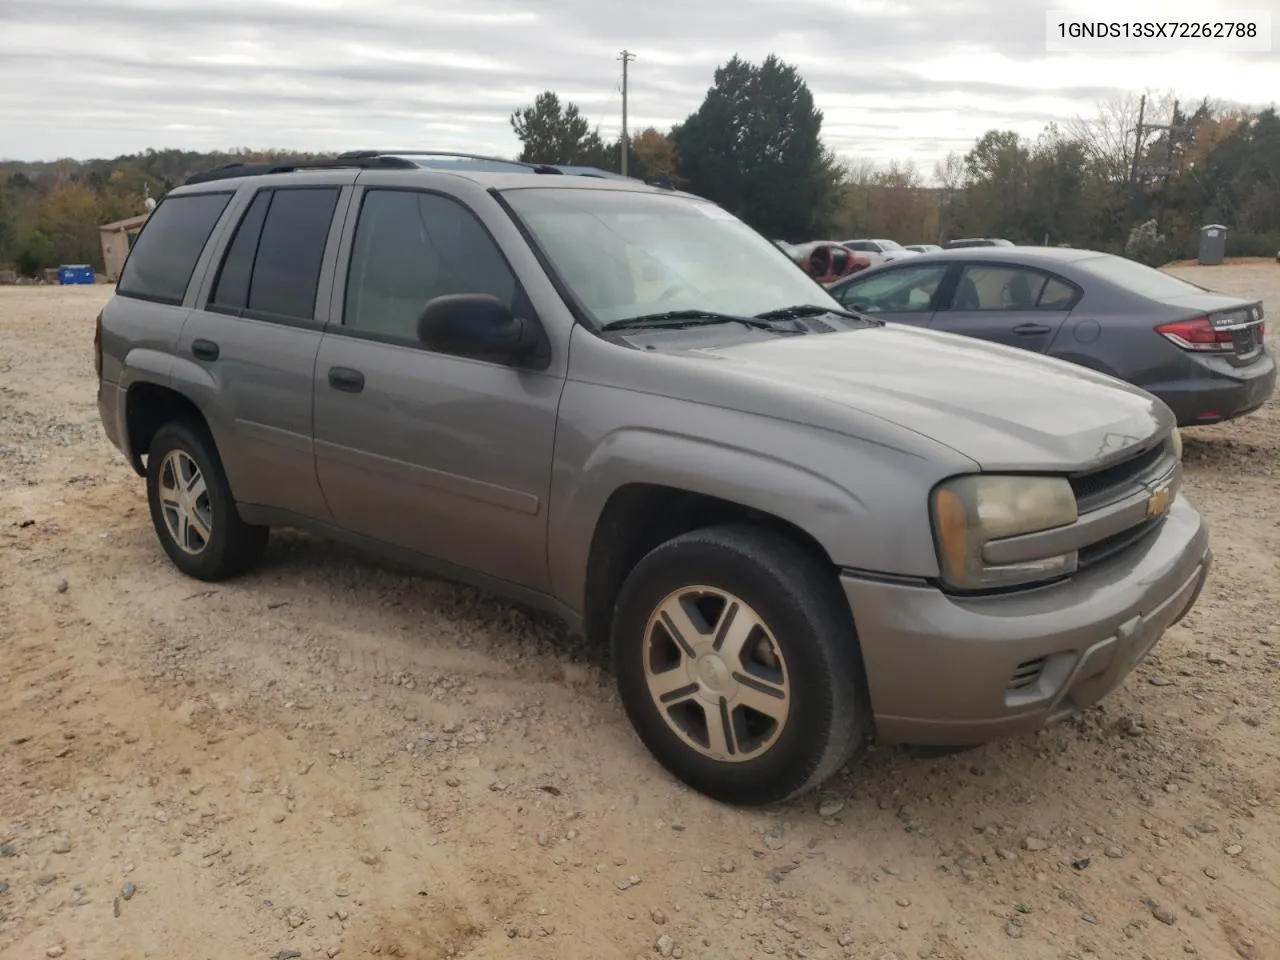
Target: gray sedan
{"x": 1202, "y": 353}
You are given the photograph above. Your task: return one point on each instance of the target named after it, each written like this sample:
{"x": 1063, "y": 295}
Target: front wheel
{"x": 737, "y": 664}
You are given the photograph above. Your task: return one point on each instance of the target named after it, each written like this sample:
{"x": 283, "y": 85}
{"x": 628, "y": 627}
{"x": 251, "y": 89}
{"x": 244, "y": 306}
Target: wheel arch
{"x": 148, "y": 407}
{"x": 639, "y": 516}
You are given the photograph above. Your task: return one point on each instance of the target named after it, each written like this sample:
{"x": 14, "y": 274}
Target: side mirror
{"x": 479, "y": 326}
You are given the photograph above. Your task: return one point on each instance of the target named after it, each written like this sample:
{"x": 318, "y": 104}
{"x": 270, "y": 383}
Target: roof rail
{"x": 238, "y": 169}
{"x": 448, "y": 155}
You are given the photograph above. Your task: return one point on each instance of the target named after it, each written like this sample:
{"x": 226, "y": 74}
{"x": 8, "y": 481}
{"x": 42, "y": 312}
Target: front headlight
{"x": 1175, "y": 443}
{"x": 969, "y": 512}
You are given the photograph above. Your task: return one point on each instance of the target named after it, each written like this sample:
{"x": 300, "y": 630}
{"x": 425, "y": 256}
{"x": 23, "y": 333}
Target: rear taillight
{"x": 1198, "y": 335}
{"x": 97, "y": 346}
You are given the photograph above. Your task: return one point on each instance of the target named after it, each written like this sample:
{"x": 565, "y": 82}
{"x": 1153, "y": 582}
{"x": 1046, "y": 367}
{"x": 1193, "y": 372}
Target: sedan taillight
{"x": 1198, "y": 335}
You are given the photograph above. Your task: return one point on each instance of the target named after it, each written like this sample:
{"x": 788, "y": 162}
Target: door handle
{"x": 346, "y": 379}
{"x": 204, "y": 349}
{"x": 1029, "y": 329}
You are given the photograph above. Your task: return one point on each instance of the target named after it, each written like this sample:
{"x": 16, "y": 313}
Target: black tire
{"x": 232, "y": 546}
{"x": 797, "y": 596}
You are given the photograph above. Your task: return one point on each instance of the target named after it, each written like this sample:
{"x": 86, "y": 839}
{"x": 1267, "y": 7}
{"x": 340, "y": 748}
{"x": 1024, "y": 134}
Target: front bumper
{"x": 949, "y": 671}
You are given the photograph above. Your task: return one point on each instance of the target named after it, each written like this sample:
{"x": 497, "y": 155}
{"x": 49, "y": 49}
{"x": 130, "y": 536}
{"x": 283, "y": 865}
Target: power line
{"x": 608, "y": 103}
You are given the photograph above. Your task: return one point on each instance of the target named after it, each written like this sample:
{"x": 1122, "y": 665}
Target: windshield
{"x": 1138, "y": 278}
{"x": 628, "y": 254}
{"x": 890, "y": 244}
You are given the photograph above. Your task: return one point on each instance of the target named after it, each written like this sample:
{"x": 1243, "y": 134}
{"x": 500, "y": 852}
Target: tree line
{"x": 755, "y": 146}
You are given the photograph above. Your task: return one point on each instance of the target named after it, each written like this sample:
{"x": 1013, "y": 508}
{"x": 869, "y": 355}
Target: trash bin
{"x": 1213, "y": 244}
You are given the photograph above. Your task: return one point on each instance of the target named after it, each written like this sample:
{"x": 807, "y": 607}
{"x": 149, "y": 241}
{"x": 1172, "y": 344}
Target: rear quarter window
{"x": 1138, "y": 278}
{"x": 164, "y": 256}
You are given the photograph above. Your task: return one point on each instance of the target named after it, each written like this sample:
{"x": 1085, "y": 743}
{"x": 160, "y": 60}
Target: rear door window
{"x": 1057, "y": 295}
{"x": 165, "y": 254}
{"x": 231, "y": 289}
{"x": 1006, "y": 287}
{"x": 286, "y": 270}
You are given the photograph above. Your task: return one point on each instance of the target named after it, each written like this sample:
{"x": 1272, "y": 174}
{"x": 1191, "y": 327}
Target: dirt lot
{"x": 332, "y": 757}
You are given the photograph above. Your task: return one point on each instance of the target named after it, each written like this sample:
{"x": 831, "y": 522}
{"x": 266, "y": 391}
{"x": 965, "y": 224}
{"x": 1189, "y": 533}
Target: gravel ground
{"x": 334, "y": 757}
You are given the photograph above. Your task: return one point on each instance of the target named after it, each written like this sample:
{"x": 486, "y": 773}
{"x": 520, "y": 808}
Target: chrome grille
{"x": 1102, "y": 487}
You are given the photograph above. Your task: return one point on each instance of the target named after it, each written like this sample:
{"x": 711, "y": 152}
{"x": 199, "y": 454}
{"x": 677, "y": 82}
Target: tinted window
{"x": 1137, "y": 278}
{"x": 998, "y": 287}
{"x": 162, "y": 259}
{"x": 413, "y": 247}
{"x": 231, "y": 289}
{"x": 903, "y": 290}
{"x": 287, "y": 268}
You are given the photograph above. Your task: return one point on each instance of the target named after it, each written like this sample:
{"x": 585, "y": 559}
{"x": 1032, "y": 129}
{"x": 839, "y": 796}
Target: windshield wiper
{"x": 813, "y": 310}
{"x": 688, "y": 318}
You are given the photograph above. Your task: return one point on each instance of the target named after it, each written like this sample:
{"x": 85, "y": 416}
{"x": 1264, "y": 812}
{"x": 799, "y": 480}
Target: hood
{"x": 1004, "y": 408}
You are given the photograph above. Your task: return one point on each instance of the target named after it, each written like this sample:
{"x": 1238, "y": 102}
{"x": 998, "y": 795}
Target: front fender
{"x": 866, "y": 504}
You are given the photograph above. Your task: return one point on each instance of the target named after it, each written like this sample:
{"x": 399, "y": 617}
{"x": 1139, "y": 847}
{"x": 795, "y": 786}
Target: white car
{"x": 879, "y": 250}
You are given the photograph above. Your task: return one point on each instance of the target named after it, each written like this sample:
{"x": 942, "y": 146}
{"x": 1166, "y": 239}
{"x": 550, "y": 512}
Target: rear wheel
{"x": 737, "y": 664}
{"x": 192, "y": 509}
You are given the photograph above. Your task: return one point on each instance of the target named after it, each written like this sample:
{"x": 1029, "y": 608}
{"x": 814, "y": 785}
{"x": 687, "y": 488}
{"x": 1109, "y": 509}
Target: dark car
{"x": 1202, "y": 353}
{"x": 977, "y": 242}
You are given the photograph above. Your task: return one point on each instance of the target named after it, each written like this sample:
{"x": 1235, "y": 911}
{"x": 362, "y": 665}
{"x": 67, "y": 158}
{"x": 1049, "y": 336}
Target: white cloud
{"x": 909, "y": 79}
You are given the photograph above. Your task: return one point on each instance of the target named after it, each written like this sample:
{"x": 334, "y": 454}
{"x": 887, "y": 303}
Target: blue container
{"x": 75, "y": 273}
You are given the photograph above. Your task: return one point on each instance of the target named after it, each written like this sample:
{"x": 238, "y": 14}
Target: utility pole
{"x": 625, "y": 141}
{"x": 1132, "y": 205}
{"x": 1137, "y": 140}
{"x": 1142, "y": 169}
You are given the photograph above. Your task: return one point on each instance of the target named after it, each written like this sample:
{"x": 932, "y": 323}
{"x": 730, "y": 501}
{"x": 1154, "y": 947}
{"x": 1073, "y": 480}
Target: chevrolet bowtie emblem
{"x": 1157, "y": 503}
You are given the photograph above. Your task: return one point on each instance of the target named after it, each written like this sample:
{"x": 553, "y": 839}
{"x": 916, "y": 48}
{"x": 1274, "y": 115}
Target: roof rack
{"x": 238, "y": 169}
{"x": 447, "y": 155}
{"x": 397, "y": 160}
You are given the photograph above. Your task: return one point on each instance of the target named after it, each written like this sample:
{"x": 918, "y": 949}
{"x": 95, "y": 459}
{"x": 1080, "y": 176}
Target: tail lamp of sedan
{"x": 1214, "y": 333}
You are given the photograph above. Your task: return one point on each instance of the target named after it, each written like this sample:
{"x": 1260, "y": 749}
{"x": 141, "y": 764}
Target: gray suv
{"x": 796, "y": 527}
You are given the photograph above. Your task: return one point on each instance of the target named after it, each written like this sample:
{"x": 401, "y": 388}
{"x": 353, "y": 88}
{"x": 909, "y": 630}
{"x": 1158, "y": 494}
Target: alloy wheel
{"x": 184, "y": 501}
{"x": 716, "y": 674}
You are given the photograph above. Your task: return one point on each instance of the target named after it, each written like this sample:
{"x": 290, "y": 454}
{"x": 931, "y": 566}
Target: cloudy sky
{"x": 905, "y": 79}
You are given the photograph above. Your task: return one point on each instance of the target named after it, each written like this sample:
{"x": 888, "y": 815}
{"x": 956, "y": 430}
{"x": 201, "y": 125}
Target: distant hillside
{"x": 167, "y": 168}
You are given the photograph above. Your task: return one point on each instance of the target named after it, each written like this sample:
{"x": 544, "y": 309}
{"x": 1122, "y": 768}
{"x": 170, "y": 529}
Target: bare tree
{"x": 1109, "y": 137}
{"x": 855, "y": 206}
{"x": 950, "y": 174}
